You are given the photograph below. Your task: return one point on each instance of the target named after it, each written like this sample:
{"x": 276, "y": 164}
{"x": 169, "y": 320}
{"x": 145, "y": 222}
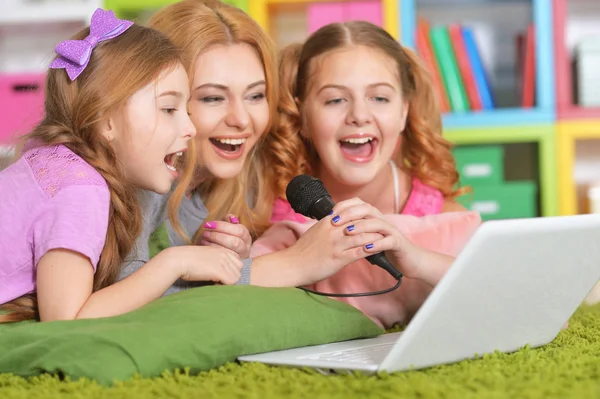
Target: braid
{"x": 124, "y": 222}
{"x": 73, "y": 112}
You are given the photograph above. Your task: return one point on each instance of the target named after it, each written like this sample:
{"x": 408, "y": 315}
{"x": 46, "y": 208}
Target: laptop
{"x": 515, "y": 283}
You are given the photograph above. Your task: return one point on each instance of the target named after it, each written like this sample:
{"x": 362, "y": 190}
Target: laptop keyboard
{"x": 372, "y": 354}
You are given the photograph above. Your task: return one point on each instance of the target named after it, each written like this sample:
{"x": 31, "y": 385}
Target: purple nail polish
{"x": 336, "y": 218}
{"x": 233, "y": 219}
{"x": 210, "y": 225}
{"x": 369, "y": 246}
{"x": 350, "y": 228}
{"x": 330, "y": 212}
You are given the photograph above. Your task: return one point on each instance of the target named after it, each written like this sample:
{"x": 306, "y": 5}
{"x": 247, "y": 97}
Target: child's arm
{"x": 69, "y": 237}
{"x": 423, "y": 262}
{"x": 65, "y": 280}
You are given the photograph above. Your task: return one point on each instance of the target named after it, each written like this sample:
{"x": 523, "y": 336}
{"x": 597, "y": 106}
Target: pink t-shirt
{"x": 50, "y": 198}
{"x": 423, "y": 200}
{"x": 419, "y": 219}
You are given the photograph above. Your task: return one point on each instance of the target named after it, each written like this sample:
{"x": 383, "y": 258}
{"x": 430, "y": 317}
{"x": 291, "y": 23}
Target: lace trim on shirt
{"x": 57, "y": 167}
{"x": 423, "y": 200}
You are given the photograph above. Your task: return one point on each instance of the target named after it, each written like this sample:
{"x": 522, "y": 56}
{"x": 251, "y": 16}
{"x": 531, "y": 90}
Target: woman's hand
{"x": 231, "y": 235}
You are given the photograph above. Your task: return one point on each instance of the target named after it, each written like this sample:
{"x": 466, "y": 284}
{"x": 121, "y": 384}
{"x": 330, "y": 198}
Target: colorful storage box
{"x": 503, "y": 201}
{"x": 132, "y": 8}
{"x": 21, "y": 104}
{"x": 321, "y": 14}
{"x": 480, "y": 165}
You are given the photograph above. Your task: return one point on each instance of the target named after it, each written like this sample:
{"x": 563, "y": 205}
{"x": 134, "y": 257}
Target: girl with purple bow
{"x": 115, "y": 121}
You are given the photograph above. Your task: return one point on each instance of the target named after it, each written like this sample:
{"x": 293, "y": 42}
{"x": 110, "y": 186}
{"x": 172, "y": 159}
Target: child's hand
{"x": 325, "y": 248}
{"x": 231, "y": 235}
{"x": 410, "y": 259}
{"x": 206, "y": 263}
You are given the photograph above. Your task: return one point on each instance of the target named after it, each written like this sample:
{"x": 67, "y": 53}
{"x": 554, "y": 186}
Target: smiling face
{"x": 153, "y": 130}
{"x": 354, "y": 113}
{"x": 228, "y": 107}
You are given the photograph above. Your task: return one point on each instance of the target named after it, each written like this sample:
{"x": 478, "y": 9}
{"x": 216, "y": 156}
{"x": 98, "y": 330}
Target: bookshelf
{"x": 543, "y": 136}
{"x": 266, "y": 11}
{"x": 573, "y": 21}
{"x": 556, "y": 126}
{"x": 29, "y": 30}
{"x": 494, "y": 24}
{"x": 542, "y": 17}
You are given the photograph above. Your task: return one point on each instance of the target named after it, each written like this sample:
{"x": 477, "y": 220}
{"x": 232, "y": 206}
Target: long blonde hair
{"x": 194, "y": 26}
{"x": 72, "y": 111}
{"x": 424, "y": 154}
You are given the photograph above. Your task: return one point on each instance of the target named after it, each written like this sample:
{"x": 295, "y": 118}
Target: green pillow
{"x": 200, "y": 328}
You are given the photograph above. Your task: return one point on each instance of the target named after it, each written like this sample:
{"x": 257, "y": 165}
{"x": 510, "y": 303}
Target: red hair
{"x": 424, "y": 154}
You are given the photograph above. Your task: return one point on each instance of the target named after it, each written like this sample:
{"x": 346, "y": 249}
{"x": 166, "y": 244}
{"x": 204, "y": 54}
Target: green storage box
{"x": 479, "y": 165}
{"x": 241, "y": 4}
{"x": 133, "y": 8}
{"x": 503, "y": 201}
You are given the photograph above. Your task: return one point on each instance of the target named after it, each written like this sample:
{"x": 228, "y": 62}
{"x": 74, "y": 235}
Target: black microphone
{"x": 309, "y": 197}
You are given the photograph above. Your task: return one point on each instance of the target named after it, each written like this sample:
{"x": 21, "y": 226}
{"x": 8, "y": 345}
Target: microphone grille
{"x": 302, "y": 191}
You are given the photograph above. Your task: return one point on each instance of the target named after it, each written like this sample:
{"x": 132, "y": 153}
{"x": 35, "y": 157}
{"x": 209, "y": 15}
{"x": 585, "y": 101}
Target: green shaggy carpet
{"x": 569, "y": 367}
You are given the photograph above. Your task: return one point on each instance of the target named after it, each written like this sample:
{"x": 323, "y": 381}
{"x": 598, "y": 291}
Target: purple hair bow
{"x": 74, "y": 55}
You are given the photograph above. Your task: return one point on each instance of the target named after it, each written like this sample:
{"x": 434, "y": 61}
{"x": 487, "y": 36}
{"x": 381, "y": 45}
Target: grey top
{"x": 192, "y": 213}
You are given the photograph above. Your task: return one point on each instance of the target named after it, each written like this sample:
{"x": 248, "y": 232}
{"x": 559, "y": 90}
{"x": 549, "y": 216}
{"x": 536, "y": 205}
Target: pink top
{"x": 420, "y": 220}
{"x": 423, "y": 200}
{"x": 50, "y": 198}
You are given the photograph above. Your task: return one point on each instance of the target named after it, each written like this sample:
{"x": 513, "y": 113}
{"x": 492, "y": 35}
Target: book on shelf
{"x": 454, "y": 60}
{"x": 526, "y": 66}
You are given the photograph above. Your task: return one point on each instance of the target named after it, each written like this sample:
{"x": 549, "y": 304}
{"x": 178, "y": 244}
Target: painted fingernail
{"x": 233, "y": 219}
{"x": 369, "y": 246}
{"x": 210, "y": 225}
{"x": 336, "y": 218}
{"x": 331, "y": 212}
{"x": 350, "y": 228}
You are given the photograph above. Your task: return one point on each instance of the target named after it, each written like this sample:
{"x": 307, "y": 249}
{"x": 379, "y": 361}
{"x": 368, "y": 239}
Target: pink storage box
{"x": 369, "y": 11}
{"x": 21, "y": 104}
{"x": 320, "y": 14}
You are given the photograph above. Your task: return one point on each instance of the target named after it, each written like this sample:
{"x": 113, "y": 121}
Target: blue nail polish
{"x": 350, "y": 228}
{"x": 369, "y": 246}
{"x": 330, "y": 212}
{"x": 336, "y": 219}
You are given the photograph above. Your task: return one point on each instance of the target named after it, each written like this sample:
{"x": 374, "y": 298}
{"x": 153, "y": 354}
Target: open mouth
{"x": 172, "y": 160}
{"x": 227, "y": 147}
{"x": 358, "y": 149}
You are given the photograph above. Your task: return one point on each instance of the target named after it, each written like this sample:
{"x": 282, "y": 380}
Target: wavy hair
{"x": 72, "y": 111}
{"x": 424, "y": 152}
{"x": 195, "y": 26}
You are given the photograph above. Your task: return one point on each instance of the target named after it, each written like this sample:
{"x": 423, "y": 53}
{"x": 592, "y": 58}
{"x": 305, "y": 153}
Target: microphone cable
{"x": 357, "y": 295}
